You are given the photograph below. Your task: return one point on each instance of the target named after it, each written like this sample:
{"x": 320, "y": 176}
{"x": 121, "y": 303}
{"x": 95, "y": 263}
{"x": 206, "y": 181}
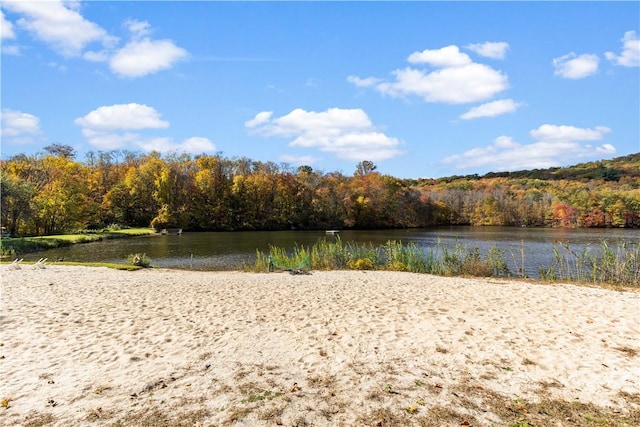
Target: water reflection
{"x": 230, "y": 250}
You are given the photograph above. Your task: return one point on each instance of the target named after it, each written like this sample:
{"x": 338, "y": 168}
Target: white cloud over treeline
{"x": 19, "y": 128}
{"x": 345, "y": 133}
{"x": 117, "y": 126}
{"x": 554, "y": 145}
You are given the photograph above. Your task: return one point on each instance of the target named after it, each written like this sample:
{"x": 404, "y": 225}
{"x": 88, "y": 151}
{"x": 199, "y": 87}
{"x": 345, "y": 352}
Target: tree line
{"x": 53, "y": 192}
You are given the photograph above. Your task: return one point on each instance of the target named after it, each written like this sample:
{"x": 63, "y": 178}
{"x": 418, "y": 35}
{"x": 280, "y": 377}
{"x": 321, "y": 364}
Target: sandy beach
{"x": 102, "y": 347}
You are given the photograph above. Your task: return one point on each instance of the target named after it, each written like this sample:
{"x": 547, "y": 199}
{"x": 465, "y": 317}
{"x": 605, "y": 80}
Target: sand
{"x": 97, "y": 346}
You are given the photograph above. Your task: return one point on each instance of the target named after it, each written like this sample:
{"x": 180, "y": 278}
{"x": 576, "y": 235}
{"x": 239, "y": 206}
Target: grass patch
{"x": 11, "y": 247}
{"x": 125, "y": 267}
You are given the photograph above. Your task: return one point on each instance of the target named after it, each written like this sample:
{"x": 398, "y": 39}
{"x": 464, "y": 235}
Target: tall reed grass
{"x": 393, "y": 255}
{"x": 617, "y": 266}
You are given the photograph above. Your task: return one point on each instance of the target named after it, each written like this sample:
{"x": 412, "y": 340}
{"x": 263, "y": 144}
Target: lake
{"x": 230, "y": 250}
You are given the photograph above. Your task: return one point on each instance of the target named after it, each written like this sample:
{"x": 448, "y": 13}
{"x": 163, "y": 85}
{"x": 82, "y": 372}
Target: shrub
{"x": 361, "y": 264}
{"x": 139, "y": 260}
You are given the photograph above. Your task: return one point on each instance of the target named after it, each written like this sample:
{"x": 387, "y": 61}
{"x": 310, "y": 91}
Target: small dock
{"x": 176, "y": 231}
{"x": 332, "y": 232}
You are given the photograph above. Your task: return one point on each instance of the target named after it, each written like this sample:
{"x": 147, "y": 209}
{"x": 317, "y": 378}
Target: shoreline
{"x": 90, "y": 345}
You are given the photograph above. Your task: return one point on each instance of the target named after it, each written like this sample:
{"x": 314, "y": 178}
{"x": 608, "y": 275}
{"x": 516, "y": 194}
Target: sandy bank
{"x": 94, "y": 346}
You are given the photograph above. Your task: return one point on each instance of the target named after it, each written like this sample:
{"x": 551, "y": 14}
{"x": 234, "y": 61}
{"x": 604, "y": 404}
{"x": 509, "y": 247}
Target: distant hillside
{"x": 607, "y": 170}
{"x": 605, "y": 193}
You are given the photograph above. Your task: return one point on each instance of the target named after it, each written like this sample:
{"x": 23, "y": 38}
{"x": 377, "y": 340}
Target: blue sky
{"x": 422, "y": 89}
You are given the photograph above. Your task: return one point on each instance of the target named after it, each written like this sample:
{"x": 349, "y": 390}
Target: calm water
{"x": 230, "y": 250}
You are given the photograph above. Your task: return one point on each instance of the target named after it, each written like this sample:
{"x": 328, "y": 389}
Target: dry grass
{"x": 162, "y": 418}
{"x": 98, "y": 414}
{"x": 469, "y": 401}
{"x": 236, "y": 414}
{"x": 628, "y": 351}
{"x": 418, "y": 403}
{"x": 385, "y": 417}
{"x": 440, "y": 416}
{"x": 546, "y": 385}
{"x": 631, "y": 398}
{"x": 37, "y": 419}
{"x": 272, "y": 413}
{"x": 322, "y": 381}
{"x": 441, "y": 350}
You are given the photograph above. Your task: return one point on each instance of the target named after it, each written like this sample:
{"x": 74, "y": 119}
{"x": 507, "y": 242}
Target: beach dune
{"x": 102, "y": 347}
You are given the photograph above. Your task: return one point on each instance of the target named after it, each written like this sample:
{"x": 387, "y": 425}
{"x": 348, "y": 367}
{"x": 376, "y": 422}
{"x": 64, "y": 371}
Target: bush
{"x": 361, "y": 264}
{"x": 139, "y": 260}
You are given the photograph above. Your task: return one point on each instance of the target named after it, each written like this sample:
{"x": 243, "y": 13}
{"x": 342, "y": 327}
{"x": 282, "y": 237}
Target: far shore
{"x": 17, "y": 246}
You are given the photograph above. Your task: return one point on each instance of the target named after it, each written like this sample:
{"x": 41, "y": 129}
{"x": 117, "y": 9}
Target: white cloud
{"x": 491, "y": 109}
{"x": 16, "y": 123}
{"x": 122, "y": 116}
{"x": 569, "y": 133}
{"x": 142, "y": 57}
{"x": 449, "y": 56}
{"x": 363, "y": 82}
{"x": 630, "y": 55}
{"x": 110, "y": 127}
{"x": 572, "y": 66}
{"x": 259, "y": 119}
{"x": 494, "y": 50}
{"x": 110, "y": 140}
{"x": 60, "y": 26}
{"x": 11, "y": 50}
{"x": 138, "y": 29}
{"x": 96, "y": 56}
{"x": 456, "y": 85}
{"x": 6, "y": 28}
{"x": 195, "y": 145}
{"x": 456, "y": 79}
{"x": 298, "y": 160}
{"x": 554, "y": 146}
{"x": 346, "y": 133}
{"x": 19, "y": 128}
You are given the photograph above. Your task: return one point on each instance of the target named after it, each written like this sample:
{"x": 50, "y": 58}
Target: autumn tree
{"x": 365, "y": 167}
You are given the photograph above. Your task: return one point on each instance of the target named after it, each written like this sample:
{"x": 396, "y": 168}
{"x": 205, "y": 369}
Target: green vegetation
{"x": 261, "y": 396}
{"x": 10, "y": 247}
{"x": 125, "y": 267}
{"x": 606, "y": 265}
{"x": 53, "y": 193}
{"x": 393, "y": 256}
{"x": 139, "y": 260}
{"x": 618, "y": 266}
